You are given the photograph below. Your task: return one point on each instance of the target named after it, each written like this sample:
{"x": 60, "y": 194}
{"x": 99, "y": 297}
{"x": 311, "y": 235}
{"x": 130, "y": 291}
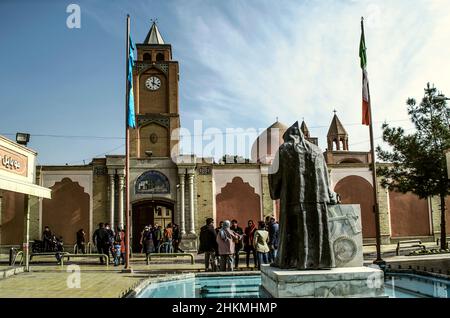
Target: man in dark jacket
{"x": 47, "y": 239}
{"x": 95, "y": 235}
{"x": 110, "y": 239}
{"x": 238, "y": 246}
{"x": 101, "y": 240}
{"x": 208, "y": 244}
{"x": 273, "y": 239}
{"x": 176, "y": 238}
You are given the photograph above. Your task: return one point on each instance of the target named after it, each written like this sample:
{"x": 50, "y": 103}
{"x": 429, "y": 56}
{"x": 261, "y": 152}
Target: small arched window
{"x": 147, "y": 57}
{"x": 160, "y": 57}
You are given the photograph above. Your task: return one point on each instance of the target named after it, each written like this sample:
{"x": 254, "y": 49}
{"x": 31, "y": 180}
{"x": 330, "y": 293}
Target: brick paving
{"x": 47, "y": 280}
{"x": 54, "y": 284}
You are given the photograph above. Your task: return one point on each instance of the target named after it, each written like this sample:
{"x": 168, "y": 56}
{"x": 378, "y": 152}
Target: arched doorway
{"x": 149, "y": 212}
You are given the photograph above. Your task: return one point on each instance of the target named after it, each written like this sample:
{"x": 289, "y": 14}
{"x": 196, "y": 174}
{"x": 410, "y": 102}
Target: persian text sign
{"x": 14, "y": 162}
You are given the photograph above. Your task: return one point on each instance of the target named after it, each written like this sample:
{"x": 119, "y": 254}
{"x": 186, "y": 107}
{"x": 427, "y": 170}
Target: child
{"x": 117, "y": 250}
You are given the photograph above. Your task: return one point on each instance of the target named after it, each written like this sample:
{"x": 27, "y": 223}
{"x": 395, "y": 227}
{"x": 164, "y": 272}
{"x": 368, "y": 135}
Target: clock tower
{"x": 155, "y": 82}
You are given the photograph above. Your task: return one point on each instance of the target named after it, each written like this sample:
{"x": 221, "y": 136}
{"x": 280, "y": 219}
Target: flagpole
{"x": 127, "y": 154}
{"x": 379, "y": 260}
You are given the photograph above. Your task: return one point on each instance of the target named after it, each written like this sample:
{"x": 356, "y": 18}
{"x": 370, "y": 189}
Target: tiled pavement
{"x": 96, "y": 281}
{"x": 54, "y": 284}
{"x": 47, "y": 279}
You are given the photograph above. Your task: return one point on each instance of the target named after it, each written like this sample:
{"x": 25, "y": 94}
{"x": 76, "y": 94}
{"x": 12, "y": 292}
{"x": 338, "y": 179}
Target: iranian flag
{"x": 365, "y": 80}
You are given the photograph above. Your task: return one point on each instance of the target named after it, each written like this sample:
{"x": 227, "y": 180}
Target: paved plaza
{"x": 47, "y": 279}
{"x": 95, "y": 281}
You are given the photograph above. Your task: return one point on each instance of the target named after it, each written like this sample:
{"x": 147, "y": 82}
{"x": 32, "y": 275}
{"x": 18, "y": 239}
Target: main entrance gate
{"x": 146, "y": 213}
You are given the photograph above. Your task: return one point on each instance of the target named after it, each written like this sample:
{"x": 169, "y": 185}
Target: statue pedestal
{"x": 336, "y": 282}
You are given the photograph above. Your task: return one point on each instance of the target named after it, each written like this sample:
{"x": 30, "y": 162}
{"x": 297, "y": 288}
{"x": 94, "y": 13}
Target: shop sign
{"x": 12, "y": 161}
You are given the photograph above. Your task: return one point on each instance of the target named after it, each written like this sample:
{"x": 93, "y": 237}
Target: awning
{"x": 24, "y": 187}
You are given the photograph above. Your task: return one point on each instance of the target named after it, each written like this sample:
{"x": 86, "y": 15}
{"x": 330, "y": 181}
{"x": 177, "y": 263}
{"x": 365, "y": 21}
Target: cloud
{"x": 251, "y": 61}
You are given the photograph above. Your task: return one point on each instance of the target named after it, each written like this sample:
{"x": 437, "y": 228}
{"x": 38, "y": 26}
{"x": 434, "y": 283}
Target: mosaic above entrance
{"x": 152, "y": 182}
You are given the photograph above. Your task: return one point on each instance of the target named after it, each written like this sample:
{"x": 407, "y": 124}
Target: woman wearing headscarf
{"x": 249, "y": 234}
{"x": 225, "y": 241}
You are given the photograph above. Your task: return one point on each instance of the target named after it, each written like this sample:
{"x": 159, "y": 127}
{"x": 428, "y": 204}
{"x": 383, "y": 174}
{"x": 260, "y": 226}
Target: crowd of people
{"x": 222, "y": 245}
{"x": 156, "y": 239}
{"x": 106, "y": 242}
{"x": 50, "y": 242}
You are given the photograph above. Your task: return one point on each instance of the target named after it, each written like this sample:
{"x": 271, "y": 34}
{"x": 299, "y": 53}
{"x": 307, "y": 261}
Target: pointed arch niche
{"x": 67, "y": 211}
{"x": 71, "y": 206}
{"x": 238, "y": 200}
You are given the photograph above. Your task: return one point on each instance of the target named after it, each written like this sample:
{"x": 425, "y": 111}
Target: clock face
{"x": 153, "y": 83}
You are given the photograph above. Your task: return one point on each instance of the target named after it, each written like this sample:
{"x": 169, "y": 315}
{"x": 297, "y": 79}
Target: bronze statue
{"x": 299, "y": 178}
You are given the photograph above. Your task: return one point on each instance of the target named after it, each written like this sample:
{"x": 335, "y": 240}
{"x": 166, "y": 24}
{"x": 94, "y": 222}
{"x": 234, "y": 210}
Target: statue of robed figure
{"x": 298, "y": 177}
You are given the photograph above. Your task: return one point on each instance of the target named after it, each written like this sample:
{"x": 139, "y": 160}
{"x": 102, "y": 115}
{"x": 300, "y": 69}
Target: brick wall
{"x": 205, "y": 198}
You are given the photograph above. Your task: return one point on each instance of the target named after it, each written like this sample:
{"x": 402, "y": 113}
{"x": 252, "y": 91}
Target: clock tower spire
{"x": 153, "y": 36}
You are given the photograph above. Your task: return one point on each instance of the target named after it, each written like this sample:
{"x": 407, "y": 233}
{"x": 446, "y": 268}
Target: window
{"x": 160, "y": 57}
{"x": 147, "y": 57}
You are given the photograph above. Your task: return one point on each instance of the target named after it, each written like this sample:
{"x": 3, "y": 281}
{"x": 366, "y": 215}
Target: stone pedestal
{"x": 344, "y": 222}
{"x": 336, "y": 282}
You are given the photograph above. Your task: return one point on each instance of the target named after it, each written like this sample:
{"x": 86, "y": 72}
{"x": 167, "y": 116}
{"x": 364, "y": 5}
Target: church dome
{"x": 266, "y": 145}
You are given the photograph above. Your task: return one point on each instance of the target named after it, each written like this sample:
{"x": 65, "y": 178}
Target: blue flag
{"x": 131, "y": 120}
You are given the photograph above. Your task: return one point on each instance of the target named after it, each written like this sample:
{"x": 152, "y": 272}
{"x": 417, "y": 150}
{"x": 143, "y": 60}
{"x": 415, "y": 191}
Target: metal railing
{"x": 31, "y": 255}
{"x": 88, "y": 248}
{"x": 68, "y": 256}
{"x": 13, "y": 263}
{"x": 149, "y": 256}
{"x": 46, "y": 254}
{"x": 410, "y": 243}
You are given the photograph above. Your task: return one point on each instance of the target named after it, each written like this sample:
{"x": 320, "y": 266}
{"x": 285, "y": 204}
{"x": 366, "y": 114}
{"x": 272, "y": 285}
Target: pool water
{"x": 415, "y": 286}
{"x": 206, "y": 287}
{"x": 396, "y": 286}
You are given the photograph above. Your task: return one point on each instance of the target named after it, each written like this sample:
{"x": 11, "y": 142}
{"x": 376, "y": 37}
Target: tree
{"x": 418, "y": 160}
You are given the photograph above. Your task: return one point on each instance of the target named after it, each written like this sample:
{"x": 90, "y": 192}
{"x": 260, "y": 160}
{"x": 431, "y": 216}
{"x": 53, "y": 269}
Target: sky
{"x": 243, "y": 64}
